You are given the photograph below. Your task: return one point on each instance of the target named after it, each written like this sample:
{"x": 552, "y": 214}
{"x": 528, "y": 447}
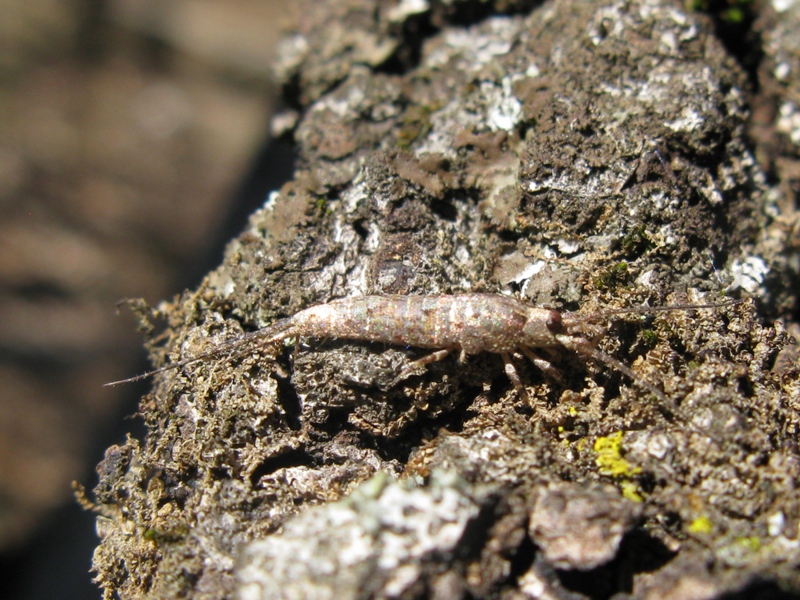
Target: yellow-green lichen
{"x": 751, "y": 543}
{"x": 609, "y": 457}
{"x": 631, "y": 491}
{"x": 611, "y": 462}
{"x": 702, "y": 525}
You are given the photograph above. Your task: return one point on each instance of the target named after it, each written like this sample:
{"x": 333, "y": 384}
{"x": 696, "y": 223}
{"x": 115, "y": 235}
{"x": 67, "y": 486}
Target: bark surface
{"x": 584, "y": 155}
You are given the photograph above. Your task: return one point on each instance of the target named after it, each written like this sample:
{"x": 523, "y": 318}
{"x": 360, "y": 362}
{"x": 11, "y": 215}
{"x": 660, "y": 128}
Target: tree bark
{"x": 582, "y": 155}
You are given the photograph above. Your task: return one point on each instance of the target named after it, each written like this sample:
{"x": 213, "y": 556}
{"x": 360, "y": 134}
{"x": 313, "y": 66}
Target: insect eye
{"x": 554, "y": 322}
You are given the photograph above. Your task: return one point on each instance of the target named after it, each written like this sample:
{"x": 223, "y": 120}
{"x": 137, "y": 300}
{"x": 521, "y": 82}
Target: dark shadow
{"x": 638, "y": 553}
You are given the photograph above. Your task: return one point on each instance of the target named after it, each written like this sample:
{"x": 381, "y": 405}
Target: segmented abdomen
{"x": 474, "y": 322}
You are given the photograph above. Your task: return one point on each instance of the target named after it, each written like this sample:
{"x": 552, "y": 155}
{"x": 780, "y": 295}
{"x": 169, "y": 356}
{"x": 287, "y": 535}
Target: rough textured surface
{"x": 584, "y": 155}
{"x": 580, "y": 528}
{"x": 409, "y": 529}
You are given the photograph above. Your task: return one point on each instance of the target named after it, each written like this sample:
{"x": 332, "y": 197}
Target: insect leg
{"x": 511, "y": 373}
{"x": 544, "y": 365}
{"x": 425, "y": 360}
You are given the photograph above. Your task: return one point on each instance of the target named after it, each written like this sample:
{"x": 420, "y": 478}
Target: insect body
{"x": 472, "y": 323}
{"x": 468, "y": 323}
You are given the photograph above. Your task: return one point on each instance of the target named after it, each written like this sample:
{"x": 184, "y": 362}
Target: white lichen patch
{"x": 775, "y": 524}
{"x": 272, "y": 198}
{"x": 783, "y": 5}
{"x": 568, "y": 246}
{"x": 782, "y": 70}
{"x": 492, "y": 104}
{"x": 374, "y": 539}
{"x": 789, "y": 121}
{"x": 504, "y": 110}
{"x": 646, "y": 278}
{"x": 689, "y": 120}
{"x": 528, "y": 272}
{"x": 357, "y": 194}
{"x": 221, "y": 282}
{"x": 406, "y": 8}
{"x": 748, "y": 273}
{"x": 476, "y": 46}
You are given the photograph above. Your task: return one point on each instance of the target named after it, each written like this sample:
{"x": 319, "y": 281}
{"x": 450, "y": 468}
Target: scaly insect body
{"x": 473, "y": 323}
{"x": 469, "y": 323}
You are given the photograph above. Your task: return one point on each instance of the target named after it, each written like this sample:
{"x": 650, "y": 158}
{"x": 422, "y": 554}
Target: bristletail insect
{"x": 467, "y": 323}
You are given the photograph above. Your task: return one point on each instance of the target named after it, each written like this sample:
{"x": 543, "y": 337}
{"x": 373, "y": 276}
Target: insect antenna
{"x": 273, "y": 333}
{"x": 646, "y": 310}
{"x": 586, "y": 348}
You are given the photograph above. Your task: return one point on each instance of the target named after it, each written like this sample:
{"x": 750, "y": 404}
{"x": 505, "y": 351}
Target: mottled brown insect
{"x": 468, "y": 323}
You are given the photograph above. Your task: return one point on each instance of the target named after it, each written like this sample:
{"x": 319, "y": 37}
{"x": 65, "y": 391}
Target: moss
{"x": 166, "y": 535}
{"x": 649, "y": 338}
{"x": 612, "y": 277}
{"x": 636, "y": 241}
{"x": 732, "y": 12}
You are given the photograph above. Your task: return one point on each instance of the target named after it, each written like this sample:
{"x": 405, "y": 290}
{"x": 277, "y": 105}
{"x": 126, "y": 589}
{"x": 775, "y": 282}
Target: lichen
{"x": 252, "y": 442}
{"x": 701, "y": 525}
{"x": 609, "y": 456}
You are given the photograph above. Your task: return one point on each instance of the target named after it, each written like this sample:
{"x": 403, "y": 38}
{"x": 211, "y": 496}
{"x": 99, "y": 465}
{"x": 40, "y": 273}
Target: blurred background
{"x": 133, "y": 142}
